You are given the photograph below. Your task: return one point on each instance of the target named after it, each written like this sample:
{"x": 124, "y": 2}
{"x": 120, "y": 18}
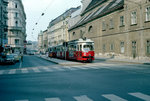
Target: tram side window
{"x": 80, "y": 47}
{"x": 74, "y": 48}
{"x": 77, "y": 47}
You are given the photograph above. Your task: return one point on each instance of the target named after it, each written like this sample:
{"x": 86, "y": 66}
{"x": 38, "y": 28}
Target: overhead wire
{"x": 42, "y": 14}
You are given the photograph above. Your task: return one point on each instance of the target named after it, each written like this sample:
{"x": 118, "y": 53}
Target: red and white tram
{"x": 80, "y": 50}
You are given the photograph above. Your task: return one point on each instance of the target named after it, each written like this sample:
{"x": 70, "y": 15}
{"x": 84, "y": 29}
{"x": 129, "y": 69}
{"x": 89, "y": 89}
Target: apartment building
{"x": 119, "y": 28}
{"x": 40, "y": 42}
{"x": 16, "y": 26}
{"x": 58, "y": 28}
{"x": 3, "y": 22}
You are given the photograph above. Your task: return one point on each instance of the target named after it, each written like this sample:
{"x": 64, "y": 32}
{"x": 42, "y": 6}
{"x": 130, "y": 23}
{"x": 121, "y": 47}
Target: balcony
{"x": 17, "y": 46}
{"x": 15, "y": 28}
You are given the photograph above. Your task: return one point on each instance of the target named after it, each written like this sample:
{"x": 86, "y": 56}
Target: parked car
{"x": 2, "y": 59}
{"x": 9, "y": 59}
{"x": 17, "y": 57}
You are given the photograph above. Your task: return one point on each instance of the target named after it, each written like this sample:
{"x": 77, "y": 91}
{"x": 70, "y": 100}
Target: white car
{"x": 9, "y": 59}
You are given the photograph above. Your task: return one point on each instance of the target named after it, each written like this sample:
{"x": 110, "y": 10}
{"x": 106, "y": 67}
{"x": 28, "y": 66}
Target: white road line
{"x": 1, "y": 72}
{"x": 141, "y": 96}
{"x": 13, "y": 71}
{"x": 70, "y": 68}
{"x": 113, "y": 97}
{"x": 79, "y": 67}
{"x": 92, "y": 67}
{"x": 24, "y": 70}
{"x": 47, "y": 69}
{"x": 21, "y": 100}
{"x": 82, "y": 98}
{"x": 52, "y": 99}
{"x": 36, "y": 70}
{"x": 59, "y": 68}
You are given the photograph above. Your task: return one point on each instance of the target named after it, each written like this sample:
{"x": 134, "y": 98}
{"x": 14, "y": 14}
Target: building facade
{"x": 58, "y": 28}
{"x": 45, "y": 41}
{"x": 3, "y": 22}
{"x": 40, "y": 42}
{"x": 119, "y": 28}
{"x": 16, "y": 26}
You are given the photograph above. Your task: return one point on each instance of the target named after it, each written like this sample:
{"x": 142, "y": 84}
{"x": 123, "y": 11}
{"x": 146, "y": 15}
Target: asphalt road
{"x": 28, "y": 62}
{"x": 40, "y": 80}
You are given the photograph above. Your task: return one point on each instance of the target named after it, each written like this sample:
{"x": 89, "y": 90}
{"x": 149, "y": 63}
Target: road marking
{"x": 13, "y": 71}
{"x": 141, "y": 96}
{"x": 82, "y": 98}
{"x": 36, "y": 70}
{"x": 113, "y": 97}
{"x": 22, "y": 100}
{"x": 59, "y": 68}
{"x": 47, "y": 69}
{"x": 1, "y": 72}
{"x": 20, "y": 64}
{"x": 52, "y": 99}
{"x": 92, "y": 67}
{"x": 24, "y": 70}
{"x": 69, "y": 68}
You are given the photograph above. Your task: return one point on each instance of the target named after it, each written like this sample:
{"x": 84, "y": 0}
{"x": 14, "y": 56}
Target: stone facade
{"x": 119, "y": 28}
{"x": 3, "y": 22}
{"x": 16, "y": 26}
{"x": 40, "y": 42}
{"x": 45, "y": 40}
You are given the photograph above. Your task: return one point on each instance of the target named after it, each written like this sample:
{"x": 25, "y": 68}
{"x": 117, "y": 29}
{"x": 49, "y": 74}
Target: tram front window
{"x": 87, "y": 48}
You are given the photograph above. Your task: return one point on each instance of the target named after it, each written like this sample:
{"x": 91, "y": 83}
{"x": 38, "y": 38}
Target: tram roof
{"x": 81, "y": 41}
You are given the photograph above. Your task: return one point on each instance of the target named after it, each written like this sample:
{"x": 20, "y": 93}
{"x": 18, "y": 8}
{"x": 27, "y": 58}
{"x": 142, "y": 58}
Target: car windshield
{"x": 88, "y": 48}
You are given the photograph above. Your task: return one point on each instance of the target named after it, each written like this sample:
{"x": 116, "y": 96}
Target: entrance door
{"x": 134, "y": 50}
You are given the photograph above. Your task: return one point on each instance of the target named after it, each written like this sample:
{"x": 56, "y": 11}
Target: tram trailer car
{"x": 52, "y": 52}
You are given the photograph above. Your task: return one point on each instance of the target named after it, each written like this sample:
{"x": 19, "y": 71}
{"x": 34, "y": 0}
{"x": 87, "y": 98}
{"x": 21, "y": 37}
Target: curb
{"x": 63, "y": 64}
{"x": 111, "y": 60}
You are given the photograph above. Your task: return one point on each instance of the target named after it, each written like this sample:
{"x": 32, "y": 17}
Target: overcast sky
{"x": 51, "y": 8}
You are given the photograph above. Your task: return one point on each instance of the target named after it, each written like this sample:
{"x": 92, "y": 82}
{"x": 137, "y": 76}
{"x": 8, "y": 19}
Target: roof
{"x": 101, "y": 11}
{"x": 93, "y": 4}
{"x": 63, "y": 16}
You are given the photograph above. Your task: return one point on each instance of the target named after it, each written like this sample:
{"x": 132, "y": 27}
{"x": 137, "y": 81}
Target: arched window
{"x": 73, "y": 33}
{"x": 90, "y": 29}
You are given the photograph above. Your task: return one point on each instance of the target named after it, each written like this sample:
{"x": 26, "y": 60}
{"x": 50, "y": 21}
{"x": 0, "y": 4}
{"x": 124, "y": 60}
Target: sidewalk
{"x": 125, "y": 60}
{"x": 97, "y": 59}
{"x": 59, "y": 61}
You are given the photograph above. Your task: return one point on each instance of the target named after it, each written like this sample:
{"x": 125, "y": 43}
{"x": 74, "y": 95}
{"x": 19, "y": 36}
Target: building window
{"x": 148, "y": 13}
{"x": 90, "y": 29}
{"x": 16, "y": 6}
{"x": 16, "y": 41}
{"x": 148, "y": 46}
{"x": 111, "y": 24}
{"x": 16, "y": 23}
{"x": 121, "y": 20}
{"x": 122, "y": 49}
{"x": 111, "y": 47}
{"x": 103, "y": 26}
{"x": 16, "y": 15}
{"x": 133, "y": 18}
{"x": 73, "y": 33}
{"x": 104, "y": 47}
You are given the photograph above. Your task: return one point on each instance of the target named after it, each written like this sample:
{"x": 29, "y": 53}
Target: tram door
{"x": 134, "y": 49}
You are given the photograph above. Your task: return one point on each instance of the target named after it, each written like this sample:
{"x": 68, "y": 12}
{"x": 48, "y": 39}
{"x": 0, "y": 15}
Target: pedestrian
{"x": 21, "y": 56}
